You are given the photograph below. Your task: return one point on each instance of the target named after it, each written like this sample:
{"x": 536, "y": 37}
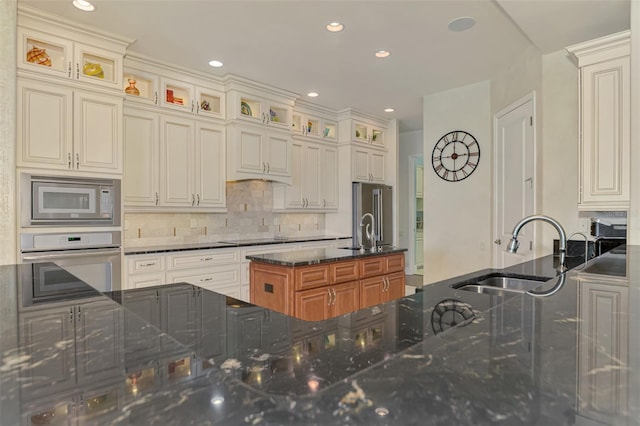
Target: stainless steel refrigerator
{"x": 377, "y": 200}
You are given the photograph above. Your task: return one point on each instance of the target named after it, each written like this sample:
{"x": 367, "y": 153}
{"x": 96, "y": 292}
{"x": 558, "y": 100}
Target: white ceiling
{"x": 285, "y": 44}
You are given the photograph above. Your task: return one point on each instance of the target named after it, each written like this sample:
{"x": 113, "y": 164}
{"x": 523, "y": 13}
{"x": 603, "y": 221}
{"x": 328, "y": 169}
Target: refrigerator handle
{"x": 377, "y": 213}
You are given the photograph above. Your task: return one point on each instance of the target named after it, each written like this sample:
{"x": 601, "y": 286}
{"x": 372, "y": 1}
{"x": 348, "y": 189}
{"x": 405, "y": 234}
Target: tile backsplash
{"x": 249, "y": 215}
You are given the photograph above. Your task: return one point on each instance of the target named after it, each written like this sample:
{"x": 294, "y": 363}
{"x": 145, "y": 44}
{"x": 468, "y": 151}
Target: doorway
{"x": 514, "y": 179}
{"x": 416, "y": 214}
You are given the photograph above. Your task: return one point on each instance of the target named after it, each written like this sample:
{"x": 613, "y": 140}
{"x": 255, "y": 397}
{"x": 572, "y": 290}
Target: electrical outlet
{"x": 585, "y": 224}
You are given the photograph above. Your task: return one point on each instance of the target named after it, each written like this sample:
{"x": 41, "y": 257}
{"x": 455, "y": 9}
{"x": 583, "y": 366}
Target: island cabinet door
{"x": 372, "y": 291}
{"x": 346, "y": 298}
{"x": 395, "y": 286}
{"x": 314, "y": 305}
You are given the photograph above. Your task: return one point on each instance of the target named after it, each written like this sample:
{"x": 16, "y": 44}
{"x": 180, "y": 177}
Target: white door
{"x": 294, "y": 191}
{"x": 176, "y": 160}
{"x": 97, "y": 137}
{"x": 209, "y": 174}
{"x": 277, "y": 152}
{"x": 330, "y": 178}
{"x": 313, "y": 176}
{"x": 377, "y": 166}
{"x": 45, "y": 125}
{"x": 141, "y": 177}
{"x": 250, "y": 151}
{"x": 360, "y": 165}
{"x": 514, "y": 180}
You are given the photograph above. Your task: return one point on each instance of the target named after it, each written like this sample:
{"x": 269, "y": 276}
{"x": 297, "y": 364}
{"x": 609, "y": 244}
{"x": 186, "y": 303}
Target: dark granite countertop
{"x": 178, "y": 354}
{"x": 315, "y": 256}
{"x": 226, "y": 244}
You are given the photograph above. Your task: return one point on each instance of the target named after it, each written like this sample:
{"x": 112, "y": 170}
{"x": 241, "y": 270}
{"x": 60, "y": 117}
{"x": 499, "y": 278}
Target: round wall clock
{"x": 455, "y": 156}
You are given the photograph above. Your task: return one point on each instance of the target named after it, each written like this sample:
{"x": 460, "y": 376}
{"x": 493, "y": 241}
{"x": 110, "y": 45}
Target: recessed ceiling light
{"x": 335, "y": 27}
{"x": 461, "y": 24}
{"x": 389, "y": 110}
{"x": 84, "y": 5}
{"x": 312, "y": 94}
{"x": 382, "y": 54}
{"x": 215, "y": 64}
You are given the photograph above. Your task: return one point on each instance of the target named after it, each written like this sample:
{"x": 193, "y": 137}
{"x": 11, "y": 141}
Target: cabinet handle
{"x": 264, "y": 167}
{"x": 69, "y": 158}
{"x": 77, "y": 160}
{"x": 324, "y": 203}
{"x": 156, "y": 198}
{"x": 77, "y": 71}
{"x": 155, "y": 98}
{"x": 144, "y": 265}
{"x": 268, "y": 167}
{"x": 193, "y": 200}
{"x": 79, "y": 313}
{"x": 70, "y": 314}
{"x": 329, "y": 291}
{"x": 198, "y": 198}
{"x": 192, "y": 106}
{"x": 335, "y": 296}
{"x": 157, "y": 296}
{"x": 205, "y": 259}
{"x": 69, "y": 70}
{"x": 204, "y": 280}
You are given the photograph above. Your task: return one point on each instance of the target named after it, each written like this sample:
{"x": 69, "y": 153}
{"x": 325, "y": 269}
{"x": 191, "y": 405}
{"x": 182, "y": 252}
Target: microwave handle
{"x": 67, "y": 254}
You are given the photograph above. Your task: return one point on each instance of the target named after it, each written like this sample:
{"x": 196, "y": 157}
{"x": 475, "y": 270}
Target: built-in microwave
{"x": 70, "y": 201}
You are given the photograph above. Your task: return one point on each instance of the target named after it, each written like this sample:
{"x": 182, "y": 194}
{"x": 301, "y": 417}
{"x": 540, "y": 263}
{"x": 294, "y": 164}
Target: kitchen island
{"x": 178, "y": 354}
{"x": 324, "y": 283}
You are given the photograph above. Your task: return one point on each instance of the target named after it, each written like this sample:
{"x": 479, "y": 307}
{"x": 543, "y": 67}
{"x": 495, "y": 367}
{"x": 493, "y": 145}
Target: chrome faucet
{"x": 562, "y": 247}
{"x": 371, "y": 235}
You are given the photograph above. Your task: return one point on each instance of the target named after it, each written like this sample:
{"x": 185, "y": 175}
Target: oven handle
{"x": 68, "y": 254}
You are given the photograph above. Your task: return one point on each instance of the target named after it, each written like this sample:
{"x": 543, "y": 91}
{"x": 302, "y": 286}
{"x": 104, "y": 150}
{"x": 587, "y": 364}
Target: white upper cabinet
{"x": 148, "y": 82}
{"x": 367, "y": 165}
{"x": 367, "y": 132}
{"x": 315, "y": 127}
{"x": 64, "y": 129}
{"x": 254, "y": 108}
{"x": 259, "y": 131}
{"x": 314, "y": 174}
{"x": 173, "y": 163}
{"x": 605, "y": 113}
{"x": 47, "y": 48}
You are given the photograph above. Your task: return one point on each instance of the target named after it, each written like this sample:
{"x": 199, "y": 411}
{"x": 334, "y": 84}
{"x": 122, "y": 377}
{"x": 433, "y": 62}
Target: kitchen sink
{"x": 607, "y": 264}
{"x": 501, "y": 284}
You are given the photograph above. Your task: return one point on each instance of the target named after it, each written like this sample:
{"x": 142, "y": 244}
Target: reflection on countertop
{"x": 178, "y": 354}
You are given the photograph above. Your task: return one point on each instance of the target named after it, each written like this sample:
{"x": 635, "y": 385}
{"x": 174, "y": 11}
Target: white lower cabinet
{"x": 603, "y": 351}
{"x": 173, "y": 163}
{"x": 217, "y": 270}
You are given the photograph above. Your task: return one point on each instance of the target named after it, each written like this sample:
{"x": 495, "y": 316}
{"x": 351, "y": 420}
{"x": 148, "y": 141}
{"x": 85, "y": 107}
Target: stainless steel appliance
{"x": 69, "y": 201}
{"x": 609, "y": 233}
{"x": 377, "y": 200}
{"x": 93, "y": 257}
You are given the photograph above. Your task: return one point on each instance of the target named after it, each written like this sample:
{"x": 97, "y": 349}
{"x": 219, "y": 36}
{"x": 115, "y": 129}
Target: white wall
{"x": 410, "y": 144}
{"x": 7, "y": 131}
{"x": 559, "y": 141}
{"x": 457, "y": 215}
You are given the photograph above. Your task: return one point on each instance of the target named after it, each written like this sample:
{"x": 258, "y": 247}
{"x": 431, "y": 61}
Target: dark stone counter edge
{"x": 335, "y": 255}
{"x": 219, "y": 245}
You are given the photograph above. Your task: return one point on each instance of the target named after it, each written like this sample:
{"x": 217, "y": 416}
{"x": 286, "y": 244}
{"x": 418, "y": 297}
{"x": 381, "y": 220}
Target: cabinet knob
{"x": 77, "y": 71}
{"x": 69, "y": 158}
{"x": 498, "y": 241}
{"x": 69, "y": 70}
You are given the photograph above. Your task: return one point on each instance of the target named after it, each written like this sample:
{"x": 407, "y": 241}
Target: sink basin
{"x": 501, "y": 284}
{"x": 607, "y": 264}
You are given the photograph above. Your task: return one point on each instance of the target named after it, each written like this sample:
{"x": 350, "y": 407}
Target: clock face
{"x": 455, "y": 156}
